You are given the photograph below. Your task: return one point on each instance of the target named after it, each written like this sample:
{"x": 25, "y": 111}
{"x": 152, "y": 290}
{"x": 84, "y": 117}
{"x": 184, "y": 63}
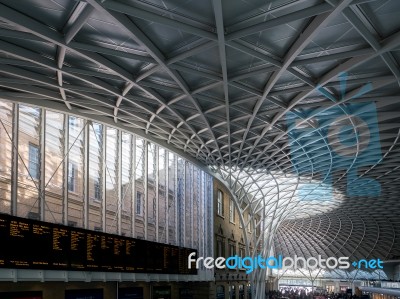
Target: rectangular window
{"x": 231, "y": 211}
{"x": 220, "y": 203}
{"x": 241, "y": 254}
{"x": 72, "y": 123}
{"x": 248, "y": 223}
{"x": 34, "y": 161}
{"x": 232, "y": 249}
{"x": 71, "y": 177}
{"x": 97, "y": 190}
{"x": 139, "y": 203}
{"x": 220, "y": 248}
{"x": 151, "y": 214}
{"x": 154, "y": 209}
{"x": 241, "y": 251}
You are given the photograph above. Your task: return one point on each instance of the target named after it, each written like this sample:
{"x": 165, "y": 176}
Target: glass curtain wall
{"x": 6, "y": 154}
{"x": 64, "y": 169}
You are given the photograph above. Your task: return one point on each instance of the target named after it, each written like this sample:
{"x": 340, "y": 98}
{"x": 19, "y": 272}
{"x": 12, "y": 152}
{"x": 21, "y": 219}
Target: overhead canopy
{"x": 302, "y": 97}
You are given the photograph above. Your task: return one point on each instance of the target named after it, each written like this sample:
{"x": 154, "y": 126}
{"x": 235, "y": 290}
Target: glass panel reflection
{"x": 54, "y": 159}
{"x": 101, "y": 178}
{"x": 28, "y": 162}
{"x": 75, "y": 179}
{"x": 95, "y": 176}
{"x": 111, "y": 180}
{"x": 6, "y": 120}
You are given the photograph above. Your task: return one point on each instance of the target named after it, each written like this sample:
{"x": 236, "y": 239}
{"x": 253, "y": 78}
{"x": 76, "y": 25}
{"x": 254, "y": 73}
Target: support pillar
{"x": 14, "y": 172}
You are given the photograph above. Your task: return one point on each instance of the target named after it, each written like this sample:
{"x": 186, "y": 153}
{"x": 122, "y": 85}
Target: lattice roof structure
{"x": 295, "y": 104}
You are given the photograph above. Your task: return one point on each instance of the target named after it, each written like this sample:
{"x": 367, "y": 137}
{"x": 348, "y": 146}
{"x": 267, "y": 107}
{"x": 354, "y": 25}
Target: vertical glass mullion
{"x": 9, "y": 156}
{"x": 112, "y": 185}
{"x": 181, "y": 201}
{"x": 96, "y": 196}
{"x": 210, "y": 205}
{"x": 86, "y": 171}
{"x": 42, "y": 163}
{"x": 14, "y": 164}
{"x": 155, "y": 200}
{"x": 157, "y": 191}
{"x": 119, "y": 181}
{"x": 146, "y": 195}
{"x": 75, "y": 179}
{"x": 65, "y": 167}
{"x": 151, "y": 167}
{"x": 162, "y": 202}
{"x": 139, "y": 194}
{"x": 103, "y": 178}
{"x": 177, "y": 202}
{"x": 28, "y": 182}
{"x": 196, "y": 209}
{"x": 188, "y": 210}
{"x": 166, "y": 195}
{"x": 127, "y": 180}
{"x": 54, "y": 164}
{"x": 204, "y": 213}
{"x": 172, "y": 223}
{"x": 133, "y": 188}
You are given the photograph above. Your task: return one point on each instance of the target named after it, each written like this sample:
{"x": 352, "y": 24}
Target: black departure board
{"x": 32, "y": 244}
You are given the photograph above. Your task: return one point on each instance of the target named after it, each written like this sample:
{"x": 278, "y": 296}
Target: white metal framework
{"x": 233, "y": 85}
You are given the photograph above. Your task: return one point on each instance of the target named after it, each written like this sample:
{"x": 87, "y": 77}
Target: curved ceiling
{"x": 306, "y": 89}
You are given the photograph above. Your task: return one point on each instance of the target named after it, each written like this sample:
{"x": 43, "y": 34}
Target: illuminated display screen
{"x": 84, "y": 294}
{"x": 130, "y": 293}
{"x": 32, "y": 244}
{"x": 21, "y": 295}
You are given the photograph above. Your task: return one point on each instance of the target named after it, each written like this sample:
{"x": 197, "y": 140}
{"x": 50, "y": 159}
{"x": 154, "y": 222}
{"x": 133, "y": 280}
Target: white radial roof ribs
{"x": 294, "y": 103}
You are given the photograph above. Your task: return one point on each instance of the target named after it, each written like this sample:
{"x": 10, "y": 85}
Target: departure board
{"x": 32, "y": 244}
{"x": 21, "y": 295}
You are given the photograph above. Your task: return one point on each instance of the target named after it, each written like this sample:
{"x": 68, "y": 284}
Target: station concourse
{"x": 223, "y": 149}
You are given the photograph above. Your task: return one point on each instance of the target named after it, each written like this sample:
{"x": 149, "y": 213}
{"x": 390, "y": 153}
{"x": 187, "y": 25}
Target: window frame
{"x": 231, "y": 211}
{"x": 220, "y": 203}
{"x": 72, "y": 169}
{"x": 97, "y": 189}
{"x": 36, "y": 174}
{"x": 138, "y": 203}
{"x": 249, "y": 230}
{"x": 232, "y": 248}
{"x": 220, "y": 247}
